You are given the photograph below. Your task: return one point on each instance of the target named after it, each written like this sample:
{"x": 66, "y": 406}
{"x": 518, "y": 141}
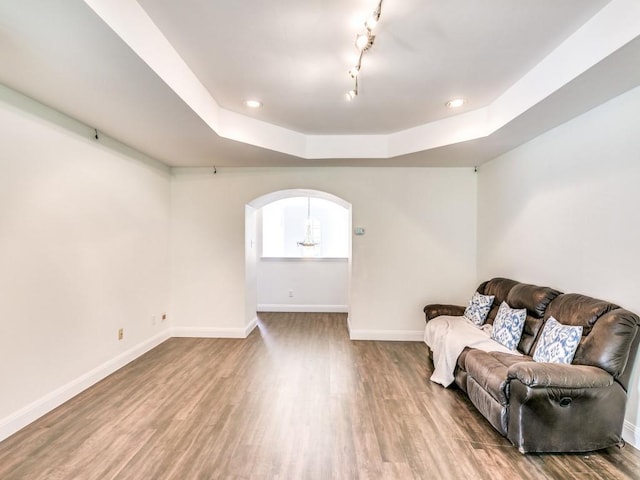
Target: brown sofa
{"x": 545, "y": 407}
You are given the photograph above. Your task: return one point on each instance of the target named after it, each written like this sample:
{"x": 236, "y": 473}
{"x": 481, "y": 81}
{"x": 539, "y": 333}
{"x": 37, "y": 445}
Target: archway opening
{"x": 294, "y": 280}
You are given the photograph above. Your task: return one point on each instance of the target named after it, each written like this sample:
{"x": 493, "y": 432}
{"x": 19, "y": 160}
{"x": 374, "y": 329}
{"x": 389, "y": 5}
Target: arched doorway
{"x": 285, "y": 271}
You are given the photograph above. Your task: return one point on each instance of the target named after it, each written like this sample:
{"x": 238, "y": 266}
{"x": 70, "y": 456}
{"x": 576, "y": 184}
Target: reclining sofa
{"x": 549, "y": 407}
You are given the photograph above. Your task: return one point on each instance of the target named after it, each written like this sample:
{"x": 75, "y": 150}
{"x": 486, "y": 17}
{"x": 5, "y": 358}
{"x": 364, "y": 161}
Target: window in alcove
{"x": 284, "y": 225}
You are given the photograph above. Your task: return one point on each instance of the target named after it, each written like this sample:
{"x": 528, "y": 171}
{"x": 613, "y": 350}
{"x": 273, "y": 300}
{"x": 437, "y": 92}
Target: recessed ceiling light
{"x": 455, "y": 103}
{"x": 253, "y": 103}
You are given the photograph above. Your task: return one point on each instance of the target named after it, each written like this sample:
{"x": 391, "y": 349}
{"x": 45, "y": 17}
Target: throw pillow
{"x": 508, "y": 325}
{"x": 478, "y": 308}
{"x": 558, "y": 343}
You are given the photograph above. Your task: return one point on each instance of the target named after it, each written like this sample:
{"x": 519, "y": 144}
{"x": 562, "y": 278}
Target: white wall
{"x": 316, "y": 285}
{"x": 83, "y": 252}
{"x": 419, "y": 245}
{"x": 564, "y": 211}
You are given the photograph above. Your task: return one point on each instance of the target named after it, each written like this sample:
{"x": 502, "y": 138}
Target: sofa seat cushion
{"x": 490, "y": 371}
{"x": 447, "y": 337}
{"x": 508, "y": 359}
{"x": 505, "y": 358}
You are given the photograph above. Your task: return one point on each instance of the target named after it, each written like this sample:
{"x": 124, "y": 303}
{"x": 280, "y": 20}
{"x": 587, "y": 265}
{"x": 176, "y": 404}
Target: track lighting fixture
{"x": 351, "y": 94}
{"x": 364, "y": 41}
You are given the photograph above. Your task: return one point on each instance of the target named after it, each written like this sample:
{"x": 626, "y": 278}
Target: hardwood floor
{"x": 295, "y": 400}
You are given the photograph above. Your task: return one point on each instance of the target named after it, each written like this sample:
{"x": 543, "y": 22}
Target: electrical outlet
{"x": 120, "y": 333}
{"x": 153, "y": 320}
{"x": 290, "y": 293}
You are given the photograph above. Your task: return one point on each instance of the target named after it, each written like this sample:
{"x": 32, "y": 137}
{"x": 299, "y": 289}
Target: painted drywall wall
{"x": 563, "y": 210}
{"x": 84, "y": 231}
{"x": 419, "y": 245}
{"x": 305, "y": 284}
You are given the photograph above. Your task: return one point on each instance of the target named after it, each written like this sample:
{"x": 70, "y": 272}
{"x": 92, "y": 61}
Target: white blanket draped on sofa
{"x": 448, "y": 336}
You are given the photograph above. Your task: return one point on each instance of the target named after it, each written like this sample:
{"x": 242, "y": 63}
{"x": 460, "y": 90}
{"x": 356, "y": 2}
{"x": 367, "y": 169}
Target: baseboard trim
{"x": 250, "y": 327}
{"x": 210, "y": 332}
{"x": 28, "y": 414}
{"x": 631, "y": 434}
{"x": 285, "y": 307}
{"x": 387, "y": 335}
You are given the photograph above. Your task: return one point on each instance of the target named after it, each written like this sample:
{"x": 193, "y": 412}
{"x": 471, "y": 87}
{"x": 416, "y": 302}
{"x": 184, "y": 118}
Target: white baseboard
{"x": 212, "y": 332}
{"x": 631, "y": 434}
{"x": 385, "y": 335}
{"x": 252, "y": 324}
{"x": 23, "y": 417}
{"x": 286, "y": 307}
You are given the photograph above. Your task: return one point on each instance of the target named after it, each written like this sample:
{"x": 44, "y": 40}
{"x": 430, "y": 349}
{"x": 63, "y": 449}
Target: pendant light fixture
{"x": 308, "y": 237}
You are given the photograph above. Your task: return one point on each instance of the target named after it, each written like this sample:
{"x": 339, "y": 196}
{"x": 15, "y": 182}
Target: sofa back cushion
{"x": 609, "y": 334}
{"x": 499, "y": 288}
{"x": 578, "y": 310}
{"x": 535, "y": 300}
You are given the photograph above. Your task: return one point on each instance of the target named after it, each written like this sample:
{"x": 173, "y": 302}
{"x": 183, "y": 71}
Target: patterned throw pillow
{"x": 558, "y": 343}
{"x": 478, "y": 308}
{"x": 508, "y": 326}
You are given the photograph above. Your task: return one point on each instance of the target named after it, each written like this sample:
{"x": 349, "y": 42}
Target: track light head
{"x": 371, "y": 22}
{"x": 364, "y": 41}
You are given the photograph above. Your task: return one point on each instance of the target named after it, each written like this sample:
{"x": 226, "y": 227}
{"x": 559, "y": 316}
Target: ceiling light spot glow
{"x": 455, "y": 103}
{"x": 253, "y": 103}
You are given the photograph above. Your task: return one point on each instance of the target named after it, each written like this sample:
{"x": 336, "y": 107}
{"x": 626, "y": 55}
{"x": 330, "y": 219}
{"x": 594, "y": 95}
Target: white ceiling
{"x": 169, "y": 78}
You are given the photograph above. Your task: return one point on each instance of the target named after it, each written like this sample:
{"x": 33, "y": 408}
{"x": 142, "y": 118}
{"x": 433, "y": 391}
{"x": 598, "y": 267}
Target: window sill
{"x": 304, "y": 259}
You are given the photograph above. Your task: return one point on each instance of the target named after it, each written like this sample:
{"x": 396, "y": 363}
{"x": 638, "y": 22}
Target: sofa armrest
{"x": 534, "y": 374}
{"x": 563, "y": 408}
{"x": 435, "y": 310}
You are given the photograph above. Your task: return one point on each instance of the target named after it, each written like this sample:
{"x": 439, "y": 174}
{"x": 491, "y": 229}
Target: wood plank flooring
{"x": 295, "y": 400}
